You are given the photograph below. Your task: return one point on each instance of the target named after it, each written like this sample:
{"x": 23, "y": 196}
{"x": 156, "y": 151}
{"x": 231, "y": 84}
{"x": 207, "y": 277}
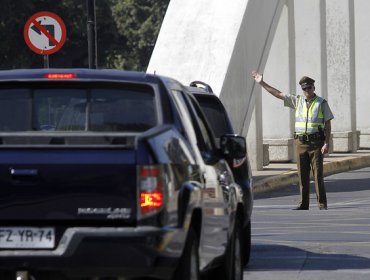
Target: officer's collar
{"x": 312, "y": 99}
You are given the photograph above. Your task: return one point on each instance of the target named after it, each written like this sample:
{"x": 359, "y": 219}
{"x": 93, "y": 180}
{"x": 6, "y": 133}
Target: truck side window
{"x": 207, "y": 137}
{"x": 203, "y": 134}
{"x": 216, "y": 115}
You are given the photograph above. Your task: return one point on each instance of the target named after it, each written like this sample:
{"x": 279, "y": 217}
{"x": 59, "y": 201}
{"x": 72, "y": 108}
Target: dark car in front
{"x": 103, "y": 175}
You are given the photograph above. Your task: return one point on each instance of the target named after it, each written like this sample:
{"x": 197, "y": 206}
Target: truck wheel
{"x": 234, "y": 258}
{"x": 188, "y": 267}
{"x": 247, "y": 244}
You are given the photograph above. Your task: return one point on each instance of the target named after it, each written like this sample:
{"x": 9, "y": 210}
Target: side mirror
{"x": 233, "y": 146}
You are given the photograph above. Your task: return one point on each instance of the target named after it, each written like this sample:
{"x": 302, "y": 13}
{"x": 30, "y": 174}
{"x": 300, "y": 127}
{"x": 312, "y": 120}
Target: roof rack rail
{"x": 200, "y": 84}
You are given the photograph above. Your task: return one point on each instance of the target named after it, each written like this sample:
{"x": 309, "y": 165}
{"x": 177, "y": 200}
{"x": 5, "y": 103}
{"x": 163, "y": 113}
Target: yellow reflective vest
{"x": 308, "y": 120}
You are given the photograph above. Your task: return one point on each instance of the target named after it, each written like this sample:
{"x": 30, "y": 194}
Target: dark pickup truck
{"x": 220, "y": 123}
{"x": 107, "y": 174}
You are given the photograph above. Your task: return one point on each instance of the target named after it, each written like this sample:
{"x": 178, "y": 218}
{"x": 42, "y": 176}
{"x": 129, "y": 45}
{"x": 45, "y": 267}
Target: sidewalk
{"x": 278, "y": 175}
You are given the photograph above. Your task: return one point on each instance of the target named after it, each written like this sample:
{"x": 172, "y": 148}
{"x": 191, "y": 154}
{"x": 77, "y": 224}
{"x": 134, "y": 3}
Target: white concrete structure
{"x": 362, "y": 68}
{"x": 220, "y": 42}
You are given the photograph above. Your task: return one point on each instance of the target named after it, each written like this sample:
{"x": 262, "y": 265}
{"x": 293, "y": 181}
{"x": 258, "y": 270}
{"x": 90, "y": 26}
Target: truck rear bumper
{"x": 88, "y": 252}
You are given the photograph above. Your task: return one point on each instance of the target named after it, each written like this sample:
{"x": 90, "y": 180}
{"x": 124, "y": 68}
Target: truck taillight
{"x": 151, "y": 189}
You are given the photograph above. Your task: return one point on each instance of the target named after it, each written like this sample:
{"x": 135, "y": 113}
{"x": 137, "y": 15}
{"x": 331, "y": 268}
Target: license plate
{"x": 27, "y": 237}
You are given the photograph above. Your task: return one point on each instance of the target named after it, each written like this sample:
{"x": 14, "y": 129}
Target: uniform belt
{"x": 308, "y": 137}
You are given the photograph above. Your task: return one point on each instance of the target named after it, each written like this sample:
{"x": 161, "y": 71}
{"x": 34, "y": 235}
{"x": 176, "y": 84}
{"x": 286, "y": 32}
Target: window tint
{"x": 77, "y": 110}
{"x": 207, "y": 145}
{"x": 215, "y": 115}
{"x": 204, "y": 136}
{"x": 15, "y": 110}
{"x": 59, "y": 109}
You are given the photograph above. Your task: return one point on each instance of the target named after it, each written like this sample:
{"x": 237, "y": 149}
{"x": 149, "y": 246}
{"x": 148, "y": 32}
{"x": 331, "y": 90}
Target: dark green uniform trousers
{"x": 309, "y": 157}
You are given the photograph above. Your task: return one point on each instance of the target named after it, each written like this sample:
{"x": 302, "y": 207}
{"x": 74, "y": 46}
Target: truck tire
{"x": 247, "y": 244}
{"x": 188, "y": 267}
{"x": 234, "y": 258}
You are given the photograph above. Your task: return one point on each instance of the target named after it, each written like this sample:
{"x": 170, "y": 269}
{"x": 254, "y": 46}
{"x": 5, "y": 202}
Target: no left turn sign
{"x": 45, "y": 33}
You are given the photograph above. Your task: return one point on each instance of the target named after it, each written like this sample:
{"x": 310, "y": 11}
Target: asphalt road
{"x": 313, "y": 244}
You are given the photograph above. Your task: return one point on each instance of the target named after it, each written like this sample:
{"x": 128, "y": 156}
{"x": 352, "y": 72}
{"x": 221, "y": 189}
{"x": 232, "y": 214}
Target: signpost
{"x": 91, "y": 34}
{"x": 45, "y": 33}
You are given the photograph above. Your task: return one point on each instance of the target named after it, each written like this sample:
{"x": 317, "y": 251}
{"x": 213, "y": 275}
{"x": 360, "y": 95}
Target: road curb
{"x": 291, "y": 177}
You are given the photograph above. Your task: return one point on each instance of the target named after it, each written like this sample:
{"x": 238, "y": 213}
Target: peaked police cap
{"x": 306, "y": 81}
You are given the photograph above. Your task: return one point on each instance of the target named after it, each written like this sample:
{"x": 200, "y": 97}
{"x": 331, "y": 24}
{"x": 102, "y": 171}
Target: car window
{"x": 215, "y": 115}
{"x": 206, "y": 138}
{"x": 15, "y": 110}
{"x": 59, "y": 109}
{"x": 202, "y": 135}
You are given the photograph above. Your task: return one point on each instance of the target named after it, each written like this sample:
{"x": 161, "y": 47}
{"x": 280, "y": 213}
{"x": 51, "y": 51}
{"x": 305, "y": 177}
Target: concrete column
{"x": 341, "y": 73}
{"x": 310, "y": 43}
{"x": 277, "y": 119}
{"x": 254, "y": 136}
{"x": 362, "y": 37}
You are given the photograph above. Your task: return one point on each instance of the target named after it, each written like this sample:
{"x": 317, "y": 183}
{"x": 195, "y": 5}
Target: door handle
{"x": 24, "y": 172}
{"x": 24, "y": 176}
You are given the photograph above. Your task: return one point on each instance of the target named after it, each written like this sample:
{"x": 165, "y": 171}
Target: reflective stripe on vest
{"x": 309, "y": 120}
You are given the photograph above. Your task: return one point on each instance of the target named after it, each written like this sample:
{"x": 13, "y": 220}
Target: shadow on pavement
{"x": 282, "y": 258}
{"x": 347, "y": 185}
{"x": 280, "y": 192}
{"x": 339, "y": 183}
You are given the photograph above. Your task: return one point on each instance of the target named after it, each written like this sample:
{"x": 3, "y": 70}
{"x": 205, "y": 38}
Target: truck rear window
{"x": 76, "y": 109}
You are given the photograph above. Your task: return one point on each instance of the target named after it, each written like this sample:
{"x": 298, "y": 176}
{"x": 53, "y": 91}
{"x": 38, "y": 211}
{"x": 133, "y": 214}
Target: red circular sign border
{"x": 32, "y": 46}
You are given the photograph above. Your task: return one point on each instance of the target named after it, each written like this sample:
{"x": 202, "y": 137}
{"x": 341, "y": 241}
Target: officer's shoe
{"x": 301, "y": 207}
{"x": 323, "y": 207}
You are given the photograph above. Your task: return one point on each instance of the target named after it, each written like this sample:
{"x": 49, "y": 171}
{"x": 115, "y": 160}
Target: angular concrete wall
{"x": 197, "y": 40}
{"x": 220, "y": 42}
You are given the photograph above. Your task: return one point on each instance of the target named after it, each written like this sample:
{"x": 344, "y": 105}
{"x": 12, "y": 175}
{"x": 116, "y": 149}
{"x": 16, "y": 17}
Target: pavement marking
{"x": 365, "y": 202}
{"x": 304, "y": 244}
{"x": 325, "y": 256}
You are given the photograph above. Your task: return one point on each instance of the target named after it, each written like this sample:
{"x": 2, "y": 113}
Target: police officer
{"x": 312, "y": 134}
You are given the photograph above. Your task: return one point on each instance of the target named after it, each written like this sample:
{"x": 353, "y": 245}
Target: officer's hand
{"x": 257, "y": 76}
{"x": 325, "y": 149}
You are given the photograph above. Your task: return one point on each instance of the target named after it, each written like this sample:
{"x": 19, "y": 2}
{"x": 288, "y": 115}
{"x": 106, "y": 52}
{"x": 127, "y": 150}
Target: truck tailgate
{"x": 67, "y": 184}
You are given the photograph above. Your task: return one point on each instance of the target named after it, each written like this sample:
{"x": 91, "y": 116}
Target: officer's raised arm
{"x": 259, "y": 79}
